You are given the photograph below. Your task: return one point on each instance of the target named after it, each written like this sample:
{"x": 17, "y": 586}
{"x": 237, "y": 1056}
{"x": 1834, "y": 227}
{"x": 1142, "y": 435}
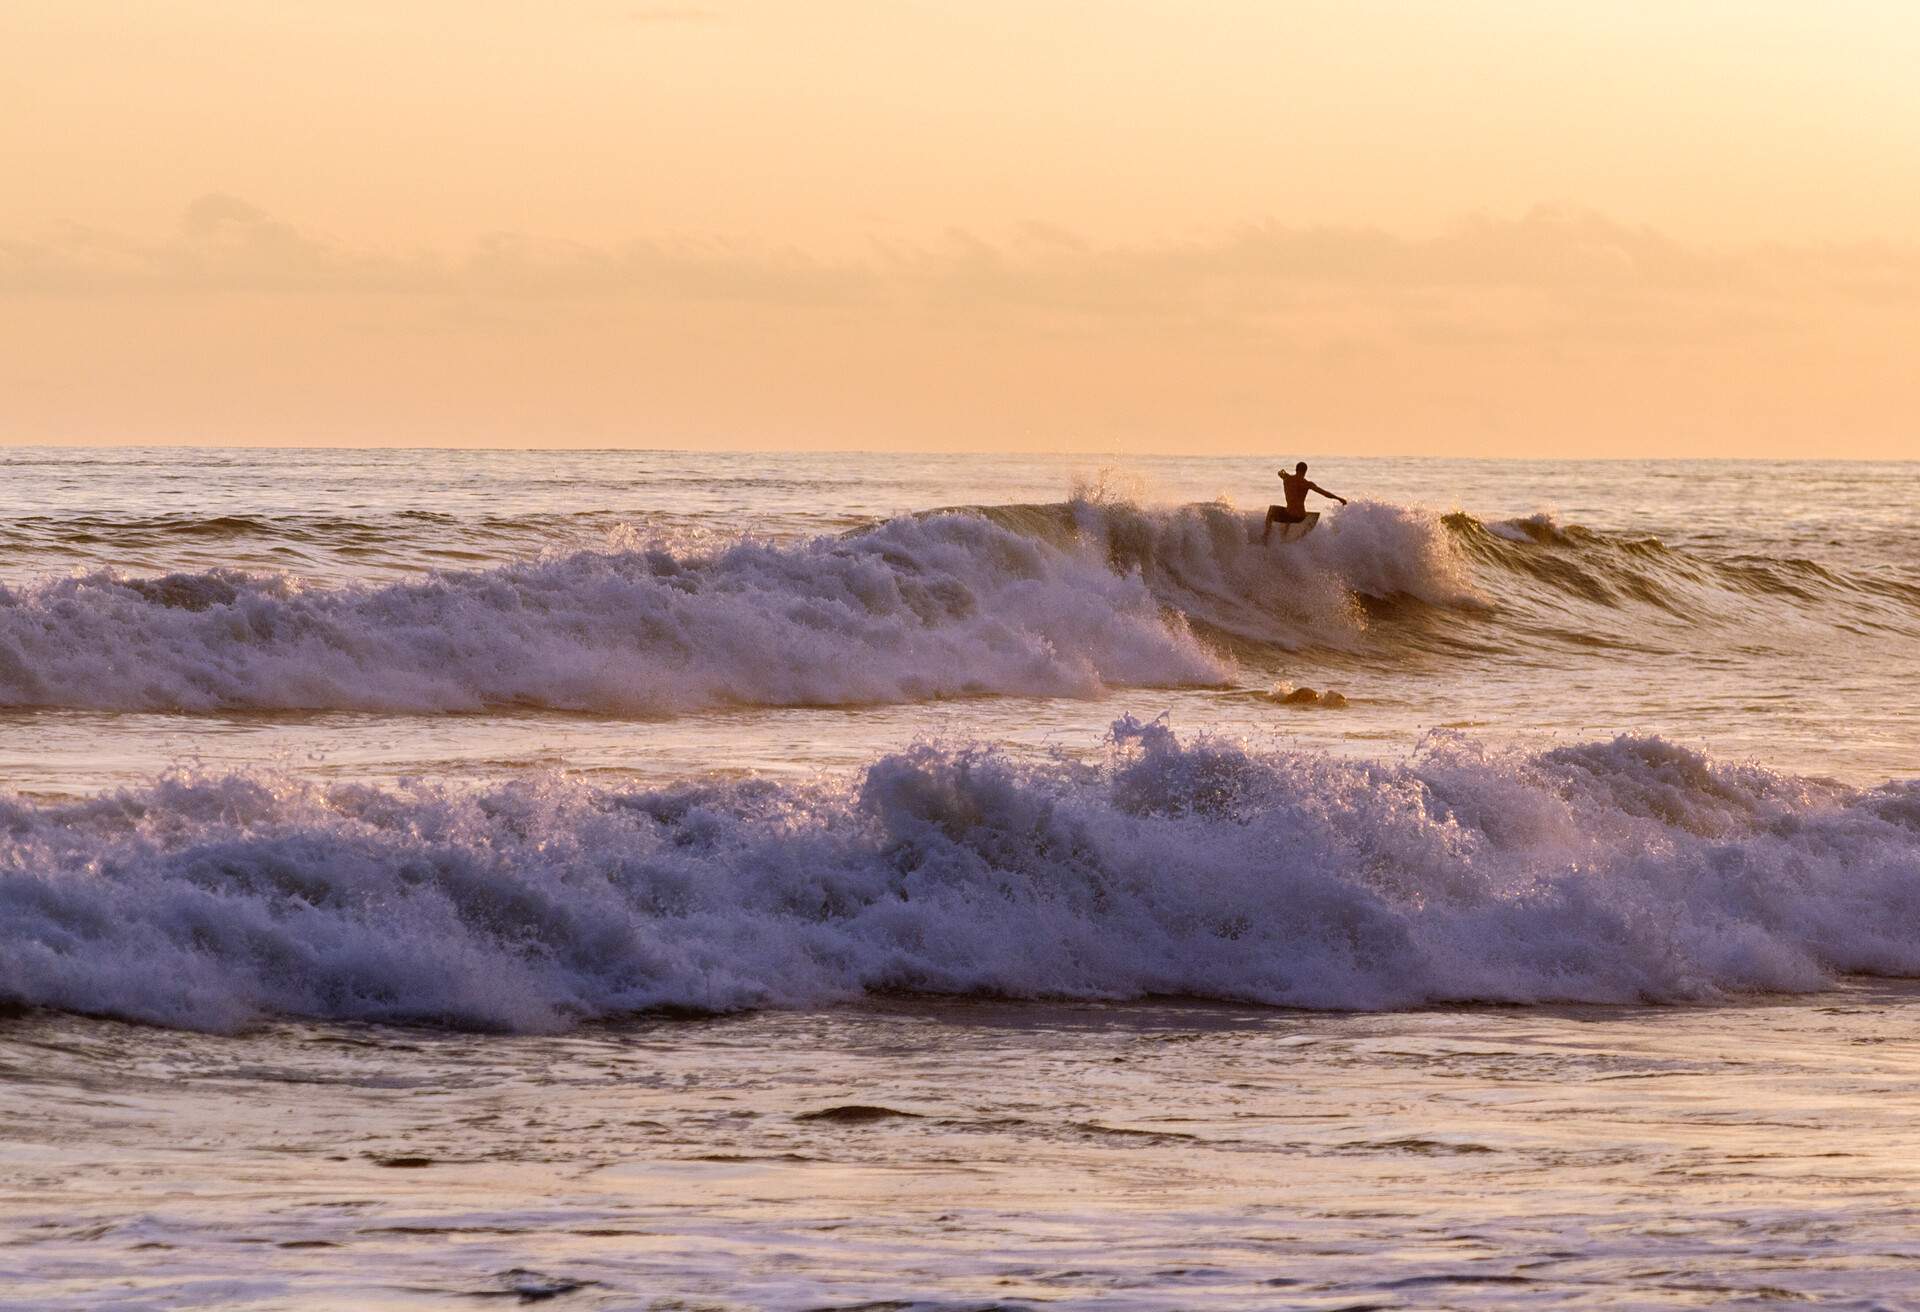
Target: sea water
{"x": 649, "y": 879}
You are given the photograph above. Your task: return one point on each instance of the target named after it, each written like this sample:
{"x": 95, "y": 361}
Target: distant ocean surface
{"x": 955, "y": 881}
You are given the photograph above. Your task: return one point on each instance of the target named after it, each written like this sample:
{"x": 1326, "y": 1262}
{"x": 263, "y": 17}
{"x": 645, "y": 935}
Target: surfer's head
{"x": 1300, "y": 468}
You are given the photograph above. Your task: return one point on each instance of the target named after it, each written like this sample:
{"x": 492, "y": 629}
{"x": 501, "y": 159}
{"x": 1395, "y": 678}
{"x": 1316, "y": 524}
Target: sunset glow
{"x": 1489, "y": 228}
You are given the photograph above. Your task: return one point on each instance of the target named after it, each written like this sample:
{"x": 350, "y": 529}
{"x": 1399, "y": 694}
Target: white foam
{"x": 947, "y": 605}
{"x": 1201, "y": 560}
{"x": 1621, "y": 871}
{"x": 1063, "y": 600}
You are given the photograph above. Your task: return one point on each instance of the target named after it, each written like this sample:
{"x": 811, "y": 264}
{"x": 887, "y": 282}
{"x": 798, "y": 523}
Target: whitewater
{"x": 527, "y": 875}
{"x": 1625, "y": 872}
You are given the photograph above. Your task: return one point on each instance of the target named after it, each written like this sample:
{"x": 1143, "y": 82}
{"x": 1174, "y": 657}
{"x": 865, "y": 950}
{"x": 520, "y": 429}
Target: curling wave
{"x": 1622, "y": 871}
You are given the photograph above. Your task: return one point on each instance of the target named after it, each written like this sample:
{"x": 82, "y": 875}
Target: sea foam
{"x": 948, "y": 605}
{"x": 1063, "y": 600}
{"x": 1623, "y": 871}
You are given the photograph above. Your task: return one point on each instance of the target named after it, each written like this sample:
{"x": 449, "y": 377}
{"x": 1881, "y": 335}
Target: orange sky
{"x": 1466, "y": 228}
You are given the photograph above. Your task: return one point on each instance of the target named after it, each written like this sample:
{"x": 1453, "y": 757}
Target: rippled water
{"x": 981, "y": 1156}
{"x": 927, "y": 781}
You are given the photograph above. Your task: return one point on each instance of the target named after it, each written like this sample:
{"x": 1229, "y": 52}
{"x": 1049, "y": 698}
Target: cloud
{"x": 517, "y": 265}
{"x": 1557, "y": 328}
{"x": 221, "y": 244}
{"x": 1557, "y": 274}
{"x": 1272, "y": 264}
{"x": 224, "y": 245}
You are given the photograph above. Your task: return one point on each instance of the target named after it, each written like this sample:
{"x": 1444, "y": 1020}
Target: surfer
{"x": 1296, "y": 487}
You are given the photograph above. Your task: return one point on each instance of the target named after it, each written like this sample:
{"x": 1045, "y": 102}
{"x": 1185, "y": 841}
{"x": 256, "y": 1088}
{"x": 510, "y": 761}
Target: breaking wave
{"x": 1066, "y": 599}
{"x": 1621, "y": 871}
{"x": 948, "y": 606}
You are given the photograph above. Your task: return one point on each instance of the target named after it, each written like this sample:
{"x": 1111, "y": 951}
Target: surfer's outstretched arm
{"x": 1335, "y": 496}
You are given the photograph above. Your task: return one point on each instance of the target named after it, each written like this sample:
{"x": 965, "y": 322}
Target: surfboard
{"x": 1288, "y": 532}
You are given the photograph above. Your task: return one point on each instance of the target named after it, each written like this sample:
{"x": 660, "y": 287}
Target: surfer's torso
{"x": 1296, "y": 487}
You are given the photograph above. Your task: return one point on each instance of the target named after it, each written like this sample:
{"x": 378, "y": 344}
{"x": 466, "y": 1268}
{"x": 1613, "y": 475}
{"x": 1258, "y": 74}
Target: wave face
{"x": 1585, "y": 573}
{"x": 1062, "y": 599}
{"x": 1621, "y": 871}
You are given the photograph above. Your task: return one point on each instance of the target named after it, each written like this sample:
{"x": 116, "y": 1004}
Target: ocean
{"x": 828, "y": 881}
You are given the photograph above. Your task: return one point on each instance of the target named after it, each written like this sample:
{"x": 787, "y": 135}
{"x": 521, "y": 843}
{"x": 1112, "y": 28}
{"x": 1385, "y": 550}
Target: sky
{"x": 1471, "y": 227}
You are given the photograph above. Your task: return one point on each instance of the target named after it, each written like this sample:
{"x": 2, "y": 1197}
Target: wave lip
{"x": 1612, "y": 872}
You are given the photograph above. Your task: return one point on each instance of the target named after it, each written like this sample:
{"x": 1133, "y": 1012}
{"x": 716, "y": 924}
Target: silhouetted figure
{"x": 1296, "y": 487}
